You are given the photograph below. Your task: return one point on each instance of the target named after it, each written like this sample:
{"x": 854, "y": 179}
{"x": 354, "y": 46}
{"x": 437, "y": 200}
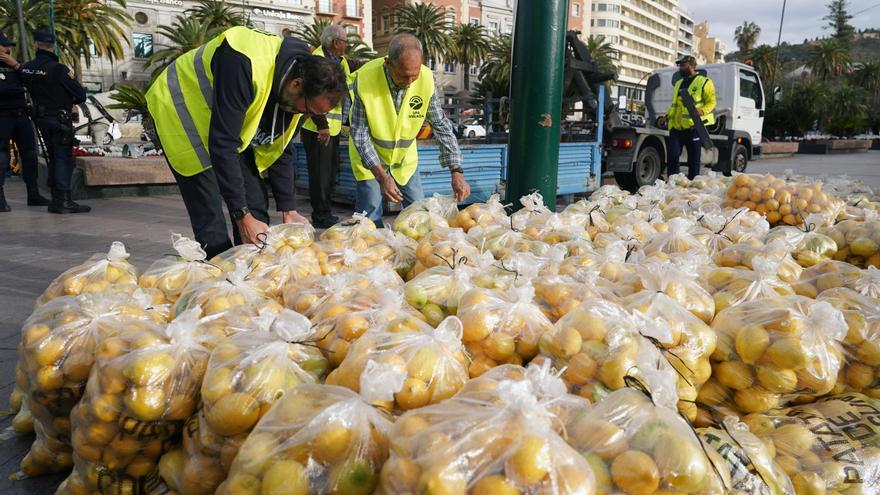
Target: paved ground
{"x": 36, "y": 246}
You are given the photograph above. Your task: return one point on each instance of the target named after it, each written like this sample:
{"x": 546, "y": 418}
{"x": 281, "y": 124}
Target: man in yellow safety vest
{"x": 681, "y": 127}
{"x": 392, "y": 97}
{"x": 260, "y": 86}
{"x": 320, "y": 134}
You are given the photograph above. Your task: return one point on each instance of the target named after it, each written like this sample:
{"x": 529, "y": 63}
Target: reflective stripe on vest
{"x": 334, "y": 117}
{"x": 681, "y": 118}
{"x": 393, "y": 132}
{"x": 181, "y": 101}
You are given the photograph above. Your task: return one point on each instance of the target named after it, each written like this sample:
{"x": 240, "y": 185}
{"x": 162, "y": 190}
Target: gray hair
{"x": 401, "y": 44}
{"x": 331, "y": 33}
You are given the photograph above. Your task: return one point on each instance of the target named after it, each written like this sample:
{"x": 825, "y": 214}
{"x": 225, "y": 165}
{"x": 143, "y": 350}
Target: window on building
{"x": 507, "y": 29}
{"x": 386, "y": 23}
{"x": 352, "y": 29}
{"x": 351, "y": 8}
{"x": 92, "y": 50}
{"x": 450, "y": 18}
{"x": 475, "y": 21}
{"x": 324, "y": 6}
{"x": 449, "y": 67}
{"x": 576, "y": 9}
{"x": 475, "y": 69}
{"x": 142, "y": 45}
{"x": 749, "y": 87}
{"x": 494, "y": 27}
{"x": 432, "y": 64}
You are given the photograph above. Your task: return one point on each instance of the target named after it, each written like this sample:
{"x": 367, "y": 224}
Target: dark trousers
{"x": 204, "y": 204}
{"x": 677, "y": 140}
{"x": 323, "y": 163}
{"x": 16, "y": 125}
{"x": 58, "y": 138}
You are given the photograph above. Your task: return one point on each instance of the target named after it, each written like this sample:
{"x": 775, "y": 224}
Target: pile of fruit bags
{"x": 720, "y": 335}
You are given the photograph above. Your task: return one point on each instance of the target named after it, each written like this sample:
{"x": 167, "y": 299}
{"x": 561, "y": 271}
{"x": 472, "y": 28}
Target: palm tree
{"x": 427, "y": 22}
{"x": 746, "y": 36}
{"x": 763, "y": 59}
{"x": 357, "y": 52}
{"x": 495, "y": 71}
{"x": 849, "y": 113}
{"x": 217, "y": 13}
{"x": 867, "y": 75}
{"x": 35, "y": 15}
{"x": 84, "y": 26}
{"x": 311, "y": 33}
{"x": 185, "y": 34}
{"x": 828, "y": 57}
{"x": 468, "y": 46}
{"x": 603, "y": 53}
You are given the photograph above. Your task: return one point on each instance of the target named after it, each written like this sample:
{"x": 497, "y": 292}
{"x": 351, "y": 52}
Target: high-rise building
{"x": 645, "y": 35}
{"x": 711, "y": 50}
{"x": 274, "y": 16}
{"x": 685, "y": 35}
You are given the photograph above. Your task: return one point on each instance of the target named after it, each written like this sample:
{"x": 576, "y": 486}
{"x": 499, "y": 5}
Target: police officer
{"x": 15, "y": 125}
{"x": 682, "y": 133}
{"x": 55, "y": 91}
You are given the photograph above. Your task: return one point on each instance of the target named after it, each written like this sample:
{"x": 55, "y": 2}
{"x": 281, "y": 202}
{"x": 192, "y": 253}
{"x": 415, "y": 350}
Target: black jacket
{"x": 51, "y": 83}
{"x": 11, "y": 89}
{"x": 233, "y": 93}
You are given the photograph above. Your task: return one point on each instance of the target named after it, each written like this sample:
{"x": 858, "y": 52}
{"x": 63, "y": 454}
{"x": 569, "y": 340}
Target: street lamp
{"x": 22, "y": 39}
{"x": 776, "y": 59}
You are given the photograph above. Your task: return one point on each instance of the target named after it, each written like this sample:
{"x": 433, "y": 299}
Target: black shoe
{"x": 324, "y": 222}
{"x": 61, "y": 203}
{"x": 34, "y": 198}
{"x": 4, "y": 206}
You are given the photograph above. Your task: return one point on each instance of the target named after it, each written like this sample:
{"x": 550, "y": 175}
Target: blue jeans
{"x": 368, "y": 196}
{"x": 678, "y": 139}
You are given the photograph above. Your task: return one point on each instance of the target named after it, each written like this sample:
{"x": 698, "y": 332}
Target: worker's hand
{"x": 324, "y": 136}
{"x": 249, "y": 228}
{"x": 292, "y": 217}
{"x": 389, "y": 188}
{"x": 700, "y": 112}
{"x": 661, "y": 122}
{"x": 460, "y": 187}
{"x": 8, "y": 59}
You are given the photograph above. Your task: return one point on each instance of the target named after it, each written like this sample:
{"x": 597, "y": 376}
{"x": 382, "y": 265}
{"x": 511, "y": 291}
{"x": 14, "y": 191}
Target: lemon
{"x": 581, "y": 369}
{"x": 682, "y": 464}
{"x": 217, "y": 384}
{"x": 285, "y": 477}
{"x": 354, "y": 477}
{"x": 735, "y": 375}
{"x": 242, "y": 484}
{"x": 332, "y": 443}
{"x": 530, "y": 462}
{"x": 495, "y": 485}
{"x": 751, "y": 342}
{"x": 793, "y": 439}
{"x": 150, "y": 368}
{"x": 146, "y": 403}
{"x": 567, "y": 342}
{"x": 788, "y": 353}
{"x": 233, "y": 414}
{"x": 635, "y": 473}
{"x": 602, "y": 438}
{"x": 777, "y": 380}
{"x": 807, "y": 483}
{"x": 423, "y": 363}
{"x": 414, "y": 394}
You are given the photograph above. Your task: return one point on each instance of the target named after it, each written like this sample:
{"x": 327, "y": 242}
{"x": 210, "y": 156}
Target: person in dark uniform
{"x": 55, "y": 90}
{"x": 15, "y": 125}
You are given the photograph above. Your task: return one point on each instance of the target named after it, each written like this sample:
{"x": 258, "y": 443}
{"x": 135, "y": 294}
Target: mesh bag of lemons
{"x": 858, "y": 241}
{"x": 142, "y": 388}
{"x": 501, "y": 327}
{"x": 246, "y": 374}
{"x": 832, "y": 274}
{"x": 751, "y": 461}
{"x": 58, "y": 347}
{"x": 315, "y": 439}
{"x": 173, "y": 275}
{"x": 772, "y": 351}
{"x": 96, "y": 274}
{"x": 501, "y": 435}
{"x": 780, "y": 201}
{"x": 421, "y": 217}
{"x": 829, "y": 446}
{"x": 491, "y": 212}
{"x": 426, "y": 365}
{"x": 340, "y": 321}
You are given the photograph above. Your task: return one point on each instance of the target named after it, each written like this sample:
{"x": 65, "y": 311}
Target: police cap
{"x": 4, "y": 41}
{"x": 44, "y": 36}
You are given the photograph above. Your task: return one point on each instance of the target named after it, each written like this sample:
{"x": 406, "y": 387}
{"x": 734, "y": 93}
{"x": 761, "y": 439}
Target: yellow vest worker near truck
{"x": 679, "y": 122}
{"x": 392, "y": 97}
{"x": 320, "y": 134}
{"x": 260, "y": 86}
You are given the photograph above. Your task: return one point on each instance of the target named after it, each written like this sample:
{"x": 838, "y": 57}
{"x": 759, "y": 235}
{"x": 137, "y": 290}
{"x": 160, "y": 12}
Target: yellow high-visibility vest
{"x": 393, "y": 132}
{"x": 181, "y": 98}
{"x": 334, "y": 117}
{"x": 678, "y": 115}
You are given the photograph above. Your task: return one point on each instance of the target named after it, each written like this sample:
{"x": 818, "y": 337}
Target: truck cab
{"x": 637, "y": 154}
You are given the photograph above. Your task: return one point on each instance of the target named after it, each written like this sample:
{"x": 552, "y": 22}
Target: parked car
{"x": 472, "y": 129}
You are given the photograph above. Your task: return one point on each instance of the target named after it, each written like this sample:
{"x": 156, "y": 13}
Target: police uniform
{"x": 15, "y": 126}
{"x": 55, "y": 91}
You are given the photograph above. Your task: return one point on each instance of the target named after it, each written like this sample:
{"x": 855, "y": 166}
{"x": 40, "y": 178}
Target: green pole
{"x": 52, "y": 24}
{"x": 536, "y": 99}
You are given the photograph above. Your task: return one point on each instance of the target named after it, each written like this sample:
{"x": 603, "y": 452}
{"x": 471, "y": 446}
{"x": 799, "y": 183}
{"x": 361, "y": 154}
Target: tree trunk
{"x": 467, "y": 76}
{"x": 77, "y": 69}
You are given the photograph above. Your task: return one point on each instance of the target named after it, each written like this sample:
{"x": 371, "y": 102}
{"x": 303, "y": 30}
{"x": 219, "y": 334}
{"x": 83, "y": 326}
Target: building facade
{"x": 274, "y": 16}
{"x": 645, "y": 35}
{"x": 710, "y": 50}
{"x": 685, "y": 35}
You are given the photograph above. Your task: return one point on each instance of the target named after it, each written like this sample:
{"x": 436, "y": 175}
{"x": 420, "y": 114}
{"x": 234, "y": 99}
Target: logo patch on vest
{"x": 416, "y": 103}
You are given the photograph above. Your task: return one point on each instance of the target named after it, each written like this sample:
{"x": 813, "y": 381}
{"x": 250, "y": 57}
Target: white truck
{"x": 637, "y": 155}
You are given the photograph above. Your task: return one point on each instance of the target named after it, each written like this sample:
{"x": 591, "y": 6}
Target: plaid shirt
{"x": 450, "y": 154}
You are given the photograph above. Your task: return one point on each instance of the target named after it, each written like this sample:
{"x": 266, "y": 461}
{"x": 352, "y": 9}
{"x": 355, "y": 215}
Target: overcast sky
{"x": 803, "y": 18}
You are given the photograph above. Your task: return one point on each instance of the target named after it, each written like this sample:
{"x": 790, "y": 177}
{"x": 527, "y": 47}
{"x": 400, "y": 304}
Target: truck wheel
{"x": 646, "y": 170}
{"x": 740, "y": 158}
